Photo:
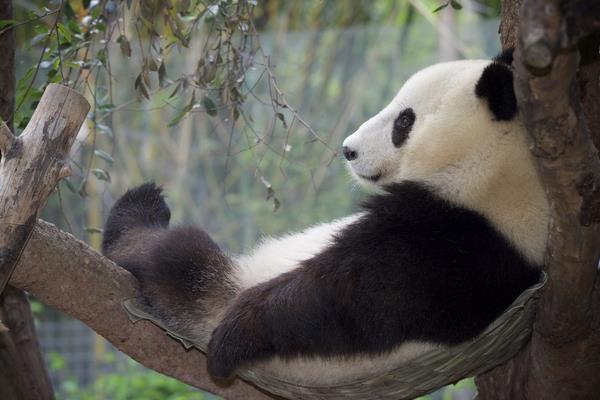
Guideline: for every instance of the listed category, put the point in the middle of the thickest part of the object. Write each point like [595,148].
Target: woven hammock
[502,339]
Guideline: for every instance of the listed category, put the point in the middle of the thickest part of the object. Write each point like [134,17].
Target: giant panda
[456,229]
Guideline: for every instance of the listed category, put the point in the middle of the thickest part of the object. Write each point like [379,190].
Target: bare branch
[67,274]
[43,147]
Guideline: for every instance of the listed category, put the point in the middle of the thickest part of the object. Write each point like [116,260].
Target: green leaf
[124,45]
[152,66]
[175,91]
[441,7]
[455,4]
[6,22]
[92,230]
[73,27]
[36,306]
[101,56]
[140,87]
[101,174]
[56,361]
[282,119]
[105,156]
[184,111]
[105,130]
[209,106]
[106,107]
[65,33]
[162,75]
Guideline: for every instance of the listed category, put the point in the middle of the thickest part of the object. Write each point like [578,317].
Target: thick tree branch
[563,358]
[67,274]
[31,166]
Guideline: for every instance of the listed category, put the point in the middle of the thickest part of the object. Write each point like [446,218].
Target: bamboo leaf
[441,7]
[105,156]
[124,45]
[101,174]
[92,230]
[184,111]
[7,22]
[209,106]
[162,75]
[282,118]
[455,4]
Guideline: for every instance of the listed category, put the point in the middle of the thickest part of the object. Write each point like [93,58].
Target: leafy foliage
[129,382]
[76,38]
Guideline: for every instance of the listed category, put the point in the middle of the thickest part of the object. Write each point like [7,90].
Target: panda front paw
[224,357]
[239,339]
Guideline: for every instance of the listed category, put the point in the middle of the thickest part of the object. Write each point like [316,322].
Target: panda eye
[402,126]
[403,121]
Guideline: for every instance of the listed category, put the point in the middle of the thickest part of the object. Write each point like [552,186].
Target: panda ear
[496,85]
[506,56]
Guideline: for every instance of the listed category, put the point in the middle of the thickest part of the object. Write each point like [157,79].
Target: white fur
[323,371]
[457,149]
[275,256]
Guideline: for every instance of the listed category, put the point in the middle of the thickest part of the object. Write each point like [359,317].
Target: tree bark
[23,373]
[68,275]
[557,91]
[31,166]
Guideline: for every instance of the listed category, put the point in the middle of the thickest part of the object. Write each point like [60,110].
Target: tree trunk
[556,82]
[23,373]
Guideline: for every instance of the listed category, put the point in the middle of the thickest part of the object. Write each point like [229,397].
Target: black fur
[175,267]
[143,206]
[506,56]
[415,267]
[183,259]
[402,126]
[496,86]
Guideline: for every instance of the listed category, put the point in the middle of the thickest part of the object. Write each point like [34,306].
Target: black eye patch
[402,126]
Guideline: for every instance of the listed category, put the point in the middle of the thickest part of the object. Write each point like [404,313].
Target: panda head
[455,128]
[443,117]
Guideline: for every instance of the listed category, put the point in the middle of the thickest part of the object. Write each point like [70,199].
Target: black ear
[506,57]
[496,85]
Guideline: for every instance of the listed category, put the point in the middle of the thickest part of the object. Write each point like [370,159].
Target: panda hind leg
[183,274]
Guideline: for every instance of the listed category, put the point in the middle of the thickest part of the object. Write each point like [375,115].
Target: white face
[450,126]
[447,138]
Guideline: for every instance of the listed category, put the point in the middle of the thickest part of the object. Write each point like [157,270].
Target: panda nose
[349,153]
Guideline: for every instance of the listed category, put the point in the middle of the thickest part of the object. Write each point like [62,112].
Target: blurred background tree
[237,107]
